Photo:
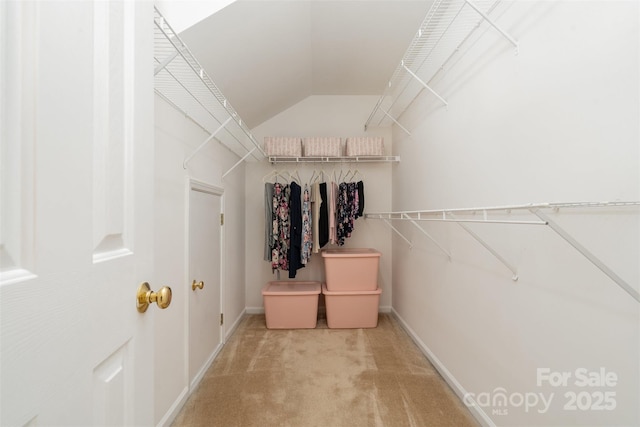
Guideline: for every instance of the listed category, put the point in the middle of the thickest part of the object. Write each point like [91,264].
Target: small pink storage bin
[291,305]
[364,146]
[349,269]
[351,309]
[284,146]
[322,146]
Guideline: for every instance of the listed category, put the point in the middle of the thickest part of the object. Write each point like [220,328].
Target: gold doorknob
[195,285]
[146,296]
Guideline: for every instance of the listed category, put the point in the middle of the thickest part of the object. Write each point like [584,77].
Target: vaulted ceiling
[268,55]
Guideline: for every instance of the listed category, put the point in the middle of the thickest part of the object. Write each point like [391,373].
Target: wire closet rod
[449,215]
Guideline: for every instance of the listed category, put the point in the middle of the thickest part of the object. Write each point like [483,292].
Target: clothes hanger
[318,176]
[286,177]
[276,173]
[273,172]
[348,177]
[282,175]
[356,173]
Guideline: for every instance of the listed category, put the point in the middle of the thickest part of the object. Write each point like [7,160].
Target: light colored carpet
[322,377]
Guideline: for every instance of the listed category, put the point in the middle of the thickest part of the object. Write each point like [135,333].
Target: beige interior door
[76,213]
[205,291]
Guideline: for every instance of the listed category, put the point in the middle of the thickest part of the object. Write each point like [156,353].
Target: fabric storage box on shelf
[349,269]
[291,305]
[322,146]
[351,309]
[283,146]
[364,146]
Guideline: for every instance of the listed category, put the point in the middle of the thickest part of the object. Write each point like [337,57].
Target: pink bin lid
[291,288]
[350,253]
[325,291]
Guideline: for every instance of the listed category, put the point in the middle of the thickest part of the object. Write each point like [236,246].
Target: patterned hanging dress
[280,235]
[307,236]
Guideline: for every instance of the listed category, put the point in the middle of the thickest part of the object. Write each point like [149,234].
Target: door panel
[77,147]
[109,386]
[205,337]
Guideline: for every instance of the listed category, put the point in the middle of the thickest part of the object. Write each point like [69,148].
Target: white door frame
[194,184]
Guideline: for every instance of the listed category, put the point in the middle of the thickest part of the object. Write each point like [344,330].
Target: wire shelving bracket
[423,231]
[450,215]
[587,254]
[493,252]
[447,26]
[183,83]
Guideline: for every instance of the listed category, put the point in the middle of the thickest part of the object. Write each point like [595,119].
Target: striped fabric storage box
[364,146]
[322,146]
[284,146]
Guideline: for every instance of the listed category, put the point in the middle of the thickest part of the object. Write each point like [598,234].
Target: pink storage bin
[322,146]
[351,309]
[291,305]
[284,146]
[349,269]
[364,146]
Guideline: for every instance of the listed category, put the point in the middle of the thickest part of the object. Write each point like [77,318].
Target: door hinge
[221,319]
[221,219]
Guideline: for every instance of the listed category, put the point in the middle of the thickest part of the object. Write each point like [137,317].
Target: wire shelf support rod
[587,254]
[201,146]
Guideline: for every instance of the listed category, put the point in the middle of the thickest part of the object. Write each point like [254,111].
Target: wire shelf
[448,24]
[461,217]
[181,81]
[350,159]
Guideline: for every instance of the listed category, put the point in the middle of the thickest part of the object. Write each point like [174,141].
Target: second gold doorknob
[195,285]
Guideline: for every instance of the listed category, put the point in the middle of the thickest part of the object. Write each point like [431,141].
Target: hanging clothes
[333,194]
[323,223]
[347,210]
[268,220]
[299,223]
[360,198]
[342,214]
[316,202]
[295,229]
[281,227]
[307,219]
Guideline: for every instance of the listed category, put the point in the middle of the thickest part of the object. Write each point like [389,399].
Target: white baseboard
[207,365]
[254,310]
[173,412]
[235,325]
[457,388]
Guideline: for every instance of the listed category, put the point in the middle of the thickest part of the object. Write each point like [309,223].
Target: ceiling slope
[268,55]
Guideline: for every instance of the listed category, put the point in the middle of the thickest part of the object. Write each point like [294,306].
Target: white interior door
[205,301]
[76,215]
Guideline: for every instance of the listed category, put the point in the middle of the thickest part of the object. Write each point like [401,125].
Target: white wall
[176,138]
[558,122]
[341,116]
